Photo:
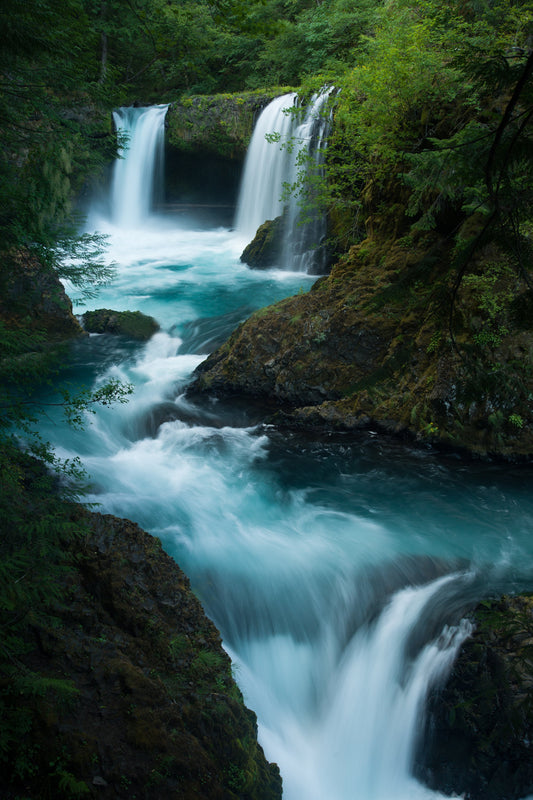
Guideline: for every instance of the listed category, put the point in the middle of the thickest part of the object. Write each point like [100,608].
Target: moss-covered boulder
[220,124]
[134,694]
[479,737]
[126,323]
[265,249]
[33,297]
[372,344]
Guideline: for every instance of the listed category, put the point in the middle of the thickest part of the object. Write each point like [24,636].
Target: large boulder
[479,737]
[370,344]
[126,323]
[266,247]
[135,695]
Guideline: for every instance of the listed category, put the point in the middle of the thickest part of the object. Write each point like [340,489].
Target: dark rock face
[128,323]
[479,737]
[303,351]
[156,713]
[366,346]
[34,296]
[265,249]
[220,124]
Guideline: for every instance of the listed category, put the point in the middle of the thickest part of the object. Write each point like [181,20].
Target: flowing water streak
[272,167]
[266,167]
[304,246]
[335,642]
[140,165]
[355,736]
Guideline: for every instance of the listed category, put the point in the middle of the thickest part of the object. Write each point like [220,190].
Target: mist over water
[338,569]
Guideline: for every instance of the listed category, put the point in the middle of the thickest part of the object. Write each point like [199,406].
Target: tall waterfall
[272,167]
[304,249]
[266,167]
[138,172]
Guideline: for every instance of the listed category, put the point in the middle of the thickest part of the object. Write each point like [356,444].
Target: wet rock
[154,711]
[127,323]
[366,343]
[264,251]
[479,735]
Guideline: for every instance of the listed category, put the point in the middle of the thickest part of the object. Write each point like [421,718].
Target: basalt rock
[479,736]
[32,296]
[370,344]
[265,249]
[153,710]
[221,124]
[127,323]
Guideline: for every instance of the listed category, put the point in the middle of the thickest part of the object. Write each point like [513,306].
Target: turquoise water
[339,569]
[321,560]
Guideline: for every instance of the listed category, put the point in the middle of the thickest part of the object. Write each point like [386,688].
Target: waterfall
[329,565]
[304,248]
[342,719]
[294,159]
[138,172]
[266,167]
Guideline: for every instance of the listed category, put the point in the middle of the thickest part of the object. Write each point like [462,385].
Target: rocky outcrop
[220,124]
[371,344]
[479,737]
[265,249]
[126,323]
[152,709]
[33,297]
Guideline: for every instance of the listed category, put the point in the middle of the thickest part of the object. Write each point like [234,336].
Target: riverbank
[369,345]
[119,685]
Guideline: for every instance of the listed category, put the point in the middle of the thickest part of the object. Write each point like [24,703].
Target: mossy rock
[126,323]
[370,342]
[265,249]
[220,124]
[149,707]
[479,730]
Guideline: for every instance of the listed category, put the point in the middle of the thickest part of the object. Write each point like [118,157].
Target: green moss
[127,323]
[220,124]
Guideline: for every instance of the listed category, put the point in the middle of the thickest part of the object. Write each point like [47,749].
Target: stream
[338,569]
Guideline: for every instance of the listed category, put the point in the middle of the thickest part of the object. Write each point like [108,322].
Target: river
[337,568]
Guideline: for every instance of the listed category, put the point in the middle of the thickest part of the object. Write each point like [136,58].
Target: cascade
[304,248]
[329,566]
[272,166]
[138,171]
[266,167]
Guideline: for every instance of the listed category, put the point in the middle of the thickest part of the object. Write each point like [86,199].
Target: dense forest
[428,188]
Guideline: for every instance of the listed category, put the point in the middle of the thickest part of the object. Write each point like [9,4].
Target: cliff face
[220,124]
[34,298]
[153,710]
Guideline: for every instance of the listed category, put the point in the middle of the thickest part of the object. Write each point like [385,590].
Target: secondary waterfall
[280,176]
[304,246]
[265,167]
[138,172]
[336,569]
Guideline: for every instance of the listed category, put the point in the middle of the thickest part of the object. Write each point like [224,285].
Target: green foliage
[516,420]
[207,662]
[70,787]
[493,291]
[49,144]
[35,527]
[393,92]
[319,38]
